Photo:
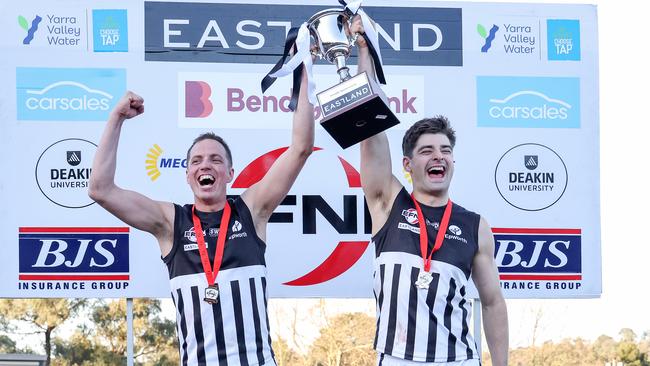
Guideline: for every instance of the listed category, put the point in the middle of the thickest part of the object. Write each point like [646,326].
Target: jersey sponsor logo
[73,253]
[411,215]
[538,254]
[236,33]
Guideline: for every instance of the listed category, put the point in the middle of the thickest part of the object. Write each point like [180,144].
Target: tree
[347,340]
[7,345]
[40,316]
[105,342]
[284,355]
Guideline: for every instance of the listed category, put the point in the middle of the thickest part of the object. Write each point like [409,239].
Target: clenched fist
[131,105]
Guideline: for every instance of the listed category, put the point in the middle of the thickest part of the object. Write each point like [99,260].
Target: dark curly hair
[437,124]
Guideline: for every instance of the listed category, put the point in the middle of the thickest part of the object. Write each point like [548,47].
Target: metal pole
[476,310]
[129,331]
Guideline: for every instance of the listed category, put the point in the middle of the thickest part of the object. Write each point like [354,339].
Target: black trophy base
[356,124]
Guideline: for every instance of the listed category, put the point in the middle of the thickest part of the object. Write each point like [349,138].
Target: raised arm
[495,313]
[377,180]
[131,207]
[263,197]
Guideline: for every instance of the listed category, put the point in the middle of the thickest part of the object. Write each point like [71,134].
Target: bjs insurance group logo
[528,102]
[62,94]
[235,33]
[527,254]
[73,254]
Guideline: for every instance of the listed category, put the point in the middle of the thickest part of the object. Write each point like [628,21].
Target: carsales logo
[234,100]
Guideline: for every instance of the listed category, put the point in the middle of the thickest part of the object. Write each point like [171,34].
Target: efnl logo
[30,29]
[563,37]
[53,94]
[520,102]
[73,254]
[110,30]
[539,254]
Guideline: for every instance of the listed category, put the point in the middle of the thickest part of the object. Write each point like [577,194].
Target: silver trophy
[356,108]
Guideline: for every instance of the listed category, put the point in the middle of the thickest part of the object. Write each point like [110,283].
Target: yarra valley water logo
[30,29]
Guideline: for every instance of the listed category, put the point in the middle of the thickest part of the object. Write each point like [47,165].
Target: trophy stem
[343,71]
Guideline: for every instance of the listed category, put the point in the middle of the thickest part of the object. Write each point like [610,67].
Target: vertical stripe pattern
[424,325]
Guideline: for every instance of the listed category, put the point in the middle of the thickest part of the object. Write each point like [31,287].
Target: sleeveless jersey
[427,325]
[235,331]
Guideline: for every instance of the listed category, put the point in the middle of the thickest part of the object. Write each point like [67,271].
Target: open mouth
[206,180]
[436,171]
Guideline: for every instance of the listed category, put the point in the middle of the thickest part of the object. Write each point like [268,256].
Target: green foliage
[481,30]
[578,352]
[105,343]
[7,345]
[23,23]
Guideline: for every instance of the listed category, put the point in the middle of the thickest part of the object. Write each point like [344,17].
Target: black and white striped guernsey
[235,331]
[416,324]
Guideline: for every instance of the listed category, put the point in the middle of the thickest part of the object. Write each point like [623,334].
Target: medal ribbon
[211,274]
[424,236]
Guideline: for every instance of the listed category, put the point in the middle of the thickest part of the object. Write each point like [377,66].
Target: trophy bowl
[330,33]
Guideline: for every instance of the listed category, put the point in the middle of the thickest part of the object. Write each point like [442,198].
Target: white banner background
[448,90]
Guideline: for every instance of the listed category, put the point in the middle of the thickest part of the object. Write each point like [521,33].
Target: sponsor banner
[63,170]
[235,101]
[531,177]
[51,27]
[528,102]
[507,39]
[66,94]
[525,120]
[73,260]
[534,261]
[563,38]
[232,33]
[110,30]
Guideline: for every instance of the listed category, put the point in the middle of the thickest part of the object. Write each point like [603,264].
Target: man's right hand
[131,105]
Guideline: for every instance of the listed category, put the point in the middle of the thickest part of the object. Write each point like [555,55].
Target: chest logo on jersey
[213,232]
[454,231]
[411,216]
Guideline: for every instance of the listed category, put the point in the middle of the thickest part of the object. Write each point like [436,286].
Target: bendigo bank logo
[235,33]
[74,254]
[553,255]
[205,98]
[197,99]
